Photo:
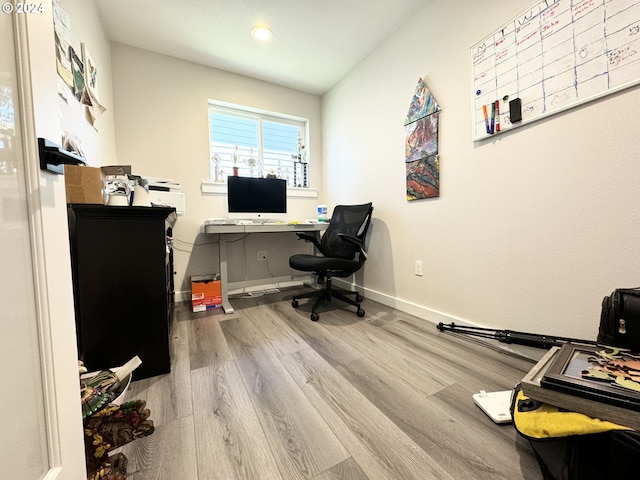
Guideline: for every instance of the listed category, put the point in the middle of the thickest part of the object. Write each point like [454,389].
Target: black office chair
[342,254]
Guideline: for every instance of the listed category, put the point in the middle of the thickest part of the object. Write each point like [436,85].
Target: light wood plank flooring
[267,394]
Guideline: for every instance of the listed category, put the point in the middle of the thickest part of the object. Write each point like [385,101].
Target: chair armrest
[354,240]
[310,238]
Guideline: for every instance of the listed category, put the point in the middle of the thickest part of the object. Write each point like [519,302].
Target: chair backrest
[350,219]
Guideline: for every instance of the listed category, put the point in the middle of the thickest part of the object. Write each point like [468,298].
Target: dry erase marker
[486,118]
[493,115]
[497,115]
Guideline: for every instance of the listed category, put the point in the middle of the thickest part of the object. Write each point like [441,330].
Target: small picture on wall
[62,36]
[422,138]
[423,178]
[422,104]
[89,97]
[90,71]
[78,74]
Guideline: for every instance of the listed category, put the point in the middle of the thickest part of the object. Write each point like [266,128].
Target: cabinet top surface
[108,211]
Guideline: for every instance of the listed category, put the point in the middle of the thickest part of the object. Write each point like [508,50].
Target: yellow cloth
[548,421]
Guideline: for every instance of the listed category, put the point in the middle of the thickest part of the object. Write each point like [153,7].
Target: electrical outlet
[262,255]
[418,269]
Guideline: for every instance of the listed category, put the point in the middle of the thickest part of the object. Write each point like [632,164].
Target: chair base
[326,295]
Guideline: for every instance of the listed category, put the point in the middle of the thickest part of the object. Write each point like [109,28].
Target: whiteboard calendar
[556,55]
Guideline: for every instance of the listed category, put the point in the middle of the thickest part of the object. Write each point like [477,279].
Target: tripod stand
[511,336]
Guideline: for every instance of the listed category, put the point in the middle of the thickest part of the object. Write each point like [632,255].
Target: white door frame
[51,270]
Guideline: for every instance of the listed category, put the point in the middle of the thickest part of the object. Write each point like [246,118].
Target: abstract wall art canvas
[421,145]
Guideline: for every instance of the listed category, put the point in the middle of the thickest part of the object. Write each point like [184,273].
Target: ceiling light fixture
[261,33]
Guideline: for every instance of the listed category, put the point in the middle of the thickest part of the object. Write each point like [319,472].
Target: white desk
[225,229]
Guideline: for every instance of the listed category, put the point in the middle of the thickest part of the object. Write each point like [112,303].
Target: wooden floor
[265,393]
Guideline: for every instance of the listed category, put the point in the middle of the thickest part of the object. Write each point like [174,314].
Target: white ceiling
[315,42]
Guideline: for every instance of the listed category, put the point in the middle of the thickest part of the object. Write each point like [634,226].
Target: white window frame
[210,186]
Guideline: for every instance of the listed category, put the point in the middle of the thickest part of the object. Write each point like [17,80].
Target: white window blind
[258,145]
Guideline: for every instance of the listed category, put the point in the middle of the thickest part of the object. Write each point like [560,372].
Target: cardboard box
[83,184]
[206,292]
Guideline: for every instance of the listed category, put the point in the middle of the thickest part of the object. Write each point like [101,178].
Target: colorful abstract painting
[421,145]
[422,178]
[422,138]
[422,103]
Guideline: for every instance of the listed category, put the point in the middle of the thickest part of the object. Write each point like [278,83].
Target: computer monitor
[256,198]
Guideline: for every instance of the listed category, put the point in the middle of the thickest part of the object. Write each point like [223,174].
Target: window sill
[221,189]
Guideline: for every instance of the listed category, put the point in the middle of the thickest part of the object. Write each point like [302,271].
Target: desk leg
[222,253]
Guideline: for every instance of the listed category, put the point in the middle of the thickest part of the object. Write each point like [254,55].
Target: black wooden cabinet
[122,267]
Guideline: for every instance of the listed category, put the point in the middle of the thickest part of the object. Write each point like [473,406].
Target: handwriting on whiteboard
[556,55]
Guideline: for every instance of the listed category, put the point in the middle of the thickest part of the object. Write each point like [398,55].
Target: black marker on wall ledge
[515,110]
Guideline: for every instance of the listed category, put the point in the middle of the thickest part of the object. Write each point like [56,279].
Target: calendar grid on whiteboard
[554,56]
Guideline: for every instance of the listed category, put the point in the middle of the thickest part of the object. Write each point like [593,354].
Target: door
[35,442]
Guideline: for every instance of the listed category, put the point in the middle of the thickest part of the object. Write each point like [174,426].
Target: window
[257,144]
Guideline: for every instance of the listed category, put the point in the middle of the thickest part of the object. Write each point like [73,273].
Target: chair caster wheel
[359,298]
[294,303]
[360,312]
[314,317]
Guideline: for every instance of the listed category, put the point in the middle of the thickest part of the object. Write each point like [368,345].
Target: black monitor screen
[256,195]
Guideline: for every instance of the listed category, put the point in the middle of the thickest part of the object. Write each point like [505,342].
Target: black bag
[620,319]
[602,456]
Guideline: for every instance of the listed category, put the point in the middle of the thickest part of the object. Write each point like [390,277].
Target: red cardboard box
[206,292]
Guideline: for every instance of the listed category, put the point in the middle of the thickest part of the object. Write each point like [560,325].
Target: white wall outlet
[418,269]
[262,255]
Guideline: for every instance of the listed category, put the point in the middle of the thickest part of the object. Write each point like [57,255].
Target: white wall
[52,117]
[162,130]
[46,117]
[98,140]
[532,227]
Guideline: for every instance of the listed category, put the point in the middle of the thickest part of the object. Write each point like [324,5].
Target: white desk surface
[263,227]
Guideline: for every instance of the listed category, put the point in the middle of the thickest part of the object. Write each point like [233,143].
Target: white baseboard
[435,317]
